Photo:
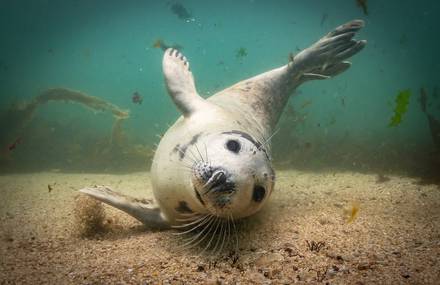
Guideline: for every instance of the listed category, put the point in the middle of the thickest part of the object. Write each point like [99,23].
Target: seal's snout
[212,180]
[217,179]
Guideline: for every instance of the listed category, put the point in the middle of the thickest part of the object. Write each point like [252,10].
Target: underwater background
[382,115]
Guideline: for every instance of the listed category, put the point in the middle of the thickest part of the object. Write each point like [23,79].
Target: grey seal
[214,163]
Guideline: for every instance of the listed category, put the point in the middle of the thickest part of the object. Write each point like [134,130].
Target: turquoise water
[105,49]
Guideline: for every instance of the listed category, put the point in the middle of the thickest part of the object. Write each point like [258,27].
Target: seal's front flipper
[143,211]
[180,82]
[326,57]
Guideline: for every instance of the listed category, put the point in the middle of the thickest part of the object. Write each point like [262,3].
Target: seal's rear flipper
[328,72]
[326,58]
[143,211]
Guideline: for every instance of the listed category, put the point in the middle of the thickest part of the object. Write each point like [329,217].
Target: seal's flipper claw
[143,211]
[328,72]
[352,26]
[180,82]
[330,50]
[352,50]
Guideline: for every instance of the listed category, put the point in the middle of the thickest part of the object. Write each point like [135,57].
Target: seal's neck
[260,99]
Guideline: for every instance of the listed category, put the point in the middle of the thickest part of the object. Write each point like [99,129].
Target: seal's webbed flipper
[180,82]
[326,58]
[143,211]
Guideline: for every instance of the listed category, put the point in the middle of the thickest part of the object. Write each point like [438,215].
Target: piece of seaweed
[17,117]
[402,102]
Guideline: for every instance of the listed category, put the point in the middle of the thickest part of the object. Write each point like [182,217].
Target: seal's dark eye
[233,146]
[259,193]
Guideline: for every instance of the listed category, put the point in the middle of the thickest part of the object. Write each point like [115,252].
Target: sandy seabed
[395,239]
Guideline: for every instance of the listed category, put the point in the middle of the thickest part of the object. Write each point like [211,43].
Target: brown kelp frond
[64,94]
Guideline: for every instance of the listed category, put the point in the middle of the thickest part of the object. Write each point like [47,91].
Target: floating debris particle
[50,187]
[137,98]
[241,52]
[13,145]
[382,178]
[363,5]
[181,12]
[163,46]
[352,212]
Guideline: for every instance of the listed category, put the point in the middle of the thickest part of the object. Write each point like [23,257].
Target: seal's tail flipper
[142,210]
[326,58]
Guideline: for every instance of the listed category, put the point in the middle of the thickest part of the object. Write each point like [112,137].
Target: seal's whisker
[189,214]
[192,242]
[192,154]
[187,164]
[189,217]
[271,136]
[197,148]
[226,234]
[189,241]
[183,154]
[188,161]
[206,153]
[198,223]
[183,168]
[204,223]
[219,236]
[218,220]
[235,233]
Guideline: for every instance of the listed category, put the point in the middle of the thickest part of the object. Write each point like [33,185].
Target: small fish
[137,98]
[49,188]
[13,145]
[363,5]
[352,212]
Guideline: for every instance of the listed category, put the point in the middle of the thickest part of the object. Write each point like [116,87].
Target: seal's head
[234,176]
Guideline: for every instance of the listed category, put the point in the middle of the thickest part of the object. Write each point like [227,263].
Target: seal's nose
[217,178]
